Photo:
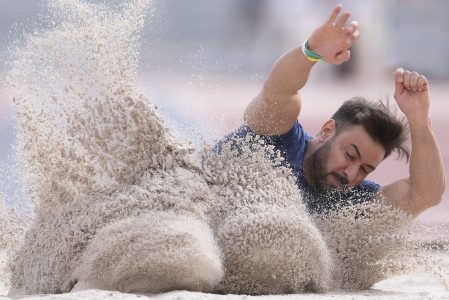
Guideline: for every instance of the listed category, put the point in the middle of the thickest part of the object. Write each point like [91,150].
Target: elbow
[436,200]
[437,197]
[441,189]
[443,185]
[429,198]
[422,204]
[438,194]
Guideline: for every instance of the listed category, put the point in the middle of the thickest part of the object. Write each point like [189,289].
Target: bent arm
[426,183]
[274,110]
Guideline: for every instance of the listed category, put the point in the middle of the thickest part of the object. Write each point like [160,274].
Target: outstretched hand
[333,39]
[412,94]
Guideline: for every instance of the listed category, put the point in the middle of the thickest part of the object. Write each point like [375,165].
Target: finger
[399,75]
[420,83]
[350,39]
[352,27]
[343,56]
[414,81]
[342,20]
[334,15]
[398,82]
[425,83]
[406,77]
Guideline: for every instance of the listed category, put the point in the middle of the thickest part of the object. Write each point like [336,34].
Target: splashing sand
[13,224]
[121,204]
[99,160]
[270,244]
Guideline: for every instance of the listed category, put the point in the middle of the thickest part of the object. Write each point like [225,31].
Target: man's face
[344,160]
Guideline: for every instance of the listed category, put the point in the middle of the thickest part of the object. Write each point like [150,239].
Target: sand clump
[269,242]
[120,203]
[370,242]
[367,242]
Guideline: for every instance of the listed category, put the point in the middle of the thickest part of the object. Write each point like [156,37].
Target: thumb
[398,82]
[342,57]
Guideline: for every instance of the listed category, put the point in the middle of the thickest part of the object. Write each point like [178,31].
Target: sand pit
[122,204]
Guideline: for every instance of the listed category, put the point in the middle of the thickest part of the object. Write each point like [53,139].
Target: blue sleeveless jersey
[292,146]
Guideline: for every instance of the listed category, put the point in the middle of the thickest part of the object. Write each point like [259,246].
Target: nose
[351,172]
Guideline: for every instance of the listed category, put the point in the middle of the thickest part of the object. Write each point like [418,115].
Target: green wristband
[310,54]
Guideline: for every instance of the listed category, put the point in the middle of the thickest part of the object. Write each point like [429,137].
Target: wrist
[418,117]
[311,55]
[312,44]
[418,122]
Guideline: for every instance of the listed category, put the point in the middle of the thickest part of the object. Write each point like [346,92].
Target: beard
[318,171]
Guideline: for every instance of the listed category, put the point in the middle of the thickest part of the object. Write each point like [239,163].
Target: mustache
[341,178]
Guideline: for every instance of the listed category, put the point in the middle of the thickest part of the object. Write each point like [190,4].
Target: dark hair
[381,124]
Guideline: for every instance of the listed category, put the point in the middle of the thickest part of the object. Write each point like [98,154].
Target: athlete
[331,167]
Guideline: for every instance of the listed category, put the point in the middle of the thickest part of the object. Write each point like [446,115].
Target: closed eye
[365,171]
[350,157]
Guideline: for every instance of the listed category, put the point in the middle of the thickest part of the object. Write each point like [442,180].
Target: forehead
[356,138]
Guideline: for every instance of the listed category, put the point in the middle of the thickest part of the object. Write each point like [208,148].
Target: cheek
[336,160]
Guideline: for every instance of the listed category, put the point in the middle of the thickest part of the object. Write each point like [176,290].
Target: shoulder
[291,144]
[295,133]
[369,186]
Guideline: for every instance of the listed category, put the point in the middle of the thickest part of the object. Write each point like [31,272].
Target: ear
[327,131]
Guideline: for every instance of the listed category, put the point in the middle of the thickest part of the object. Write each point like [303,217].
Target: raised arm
[426,183]
[274,110]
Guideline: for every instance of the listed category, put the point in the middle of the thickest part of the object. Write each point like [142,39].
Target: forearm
[275,109]
[426,165]
[277,106]
[288,75]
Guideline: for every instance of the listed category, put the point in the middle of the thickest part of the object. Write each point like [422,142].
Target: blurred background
[202,61]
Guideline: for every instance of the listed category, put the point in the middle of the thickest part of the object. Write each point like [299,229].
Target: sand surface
[412,286]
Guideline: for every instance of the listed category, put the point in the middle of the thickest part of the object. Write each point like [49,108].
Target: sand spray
[109,181]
